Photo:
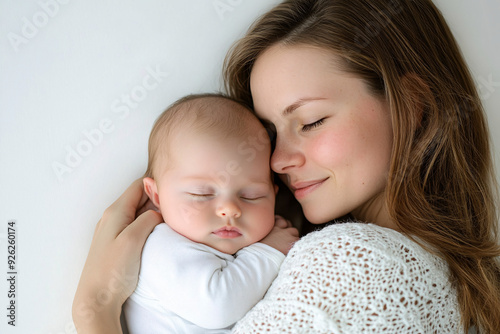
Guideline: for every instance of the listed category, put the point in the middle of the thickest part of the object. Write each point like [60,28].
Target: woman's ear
[151,190]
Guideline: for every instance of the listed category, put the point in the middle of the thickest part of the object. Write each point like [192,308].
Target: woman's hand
[111,271]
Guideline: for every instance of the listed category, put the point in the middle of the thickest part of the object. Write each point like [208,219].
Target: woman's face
[334,138]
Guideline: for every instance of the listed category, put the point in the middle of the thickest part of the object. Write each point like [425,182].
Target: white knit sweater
[357,278]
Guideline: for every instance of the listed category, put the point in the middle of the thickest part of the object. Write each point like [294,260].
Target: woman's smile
[302,189]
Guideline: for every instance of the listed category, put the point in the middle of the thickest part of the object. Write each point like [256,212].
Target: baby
[212,261]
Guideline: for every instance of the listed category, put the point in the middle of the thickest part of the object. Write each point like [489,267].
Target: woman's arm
[111,271]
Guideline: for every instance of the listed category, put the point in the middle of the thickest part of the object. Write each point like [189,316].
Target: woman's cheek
[331,149]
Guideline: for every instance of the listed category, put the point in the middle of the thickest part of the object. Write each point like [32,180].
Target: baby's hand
[282,236]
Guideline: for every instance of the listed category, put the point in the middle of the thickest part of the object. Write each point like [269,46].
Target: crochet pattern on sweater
[357,278]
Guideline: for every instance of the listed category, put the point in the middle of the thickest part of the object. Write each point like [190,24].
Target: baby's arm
[236,288]
[208,290]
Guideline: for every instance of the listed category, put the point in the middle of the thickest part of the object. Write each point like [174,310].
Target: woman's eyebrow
[297,104]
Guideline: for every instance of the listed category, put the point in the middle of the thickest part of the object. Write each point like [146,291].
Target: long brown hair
[441,187]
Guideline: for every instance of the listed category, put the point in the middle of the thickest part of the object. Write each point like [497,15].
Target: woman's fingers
[122,212]
[138,231]
[132,199]
[147,206]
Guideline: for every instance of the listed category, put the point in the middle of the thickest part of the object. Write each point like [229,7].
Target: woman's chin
[317,218]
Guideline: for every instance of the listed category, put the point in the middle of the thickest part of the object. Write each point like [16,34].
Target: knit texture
[357,278]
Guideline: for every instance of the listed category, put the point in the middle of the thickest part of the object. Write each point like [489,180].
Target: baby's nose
[229,209]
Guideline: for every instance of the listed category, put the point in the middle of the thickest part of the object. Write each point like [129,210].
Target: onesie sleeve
[349,280]
[206,287]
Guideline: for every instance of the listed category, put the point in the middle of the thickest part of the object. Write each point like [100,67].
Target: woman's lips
[227,232]
[302,189]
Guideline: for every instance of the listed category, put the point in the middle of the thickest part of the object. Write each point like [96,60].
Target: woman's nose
[286,155]
[228,209]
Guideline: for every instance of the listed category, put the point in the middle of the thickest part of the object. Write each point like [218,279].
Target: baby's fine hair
[215,114]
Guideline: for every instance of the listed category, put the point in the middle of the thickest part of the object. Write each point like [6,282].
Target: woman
[376,116]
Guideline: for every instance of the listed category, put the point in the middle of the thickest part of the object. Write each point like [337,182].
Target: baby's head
[208,172]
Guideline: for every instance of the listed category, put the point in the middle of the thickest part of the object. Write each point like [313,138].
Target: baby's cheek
[191,213]
[265,218]
[179,213]
[270,219]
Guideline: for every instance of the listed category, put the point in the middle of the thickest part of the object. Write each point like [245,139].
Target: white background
[66,69]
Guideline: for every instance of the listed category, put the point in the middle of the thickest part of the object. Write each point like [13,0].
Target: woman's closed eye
[313,125]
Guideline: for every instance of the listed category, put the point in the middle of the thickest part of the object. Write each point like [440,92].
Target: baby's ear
[151,190]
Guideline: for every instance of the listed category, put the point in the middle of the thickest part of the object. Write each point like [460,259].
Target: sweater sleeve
[206,287]
[357,279]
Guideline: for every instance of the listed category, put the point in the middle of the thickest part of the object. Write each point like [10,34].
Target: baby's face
[219,192]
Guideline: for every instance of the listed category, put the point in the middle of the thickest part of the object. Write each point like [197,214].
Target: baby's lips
[227,232]
[227,228]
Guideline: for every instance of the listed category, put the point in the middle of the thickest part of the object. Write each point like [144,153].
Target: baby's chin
[229,249]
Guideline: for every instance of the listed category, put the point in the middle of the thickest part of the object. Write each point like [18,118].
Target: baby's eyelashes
[207,196]
[201,196]
[251,198]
